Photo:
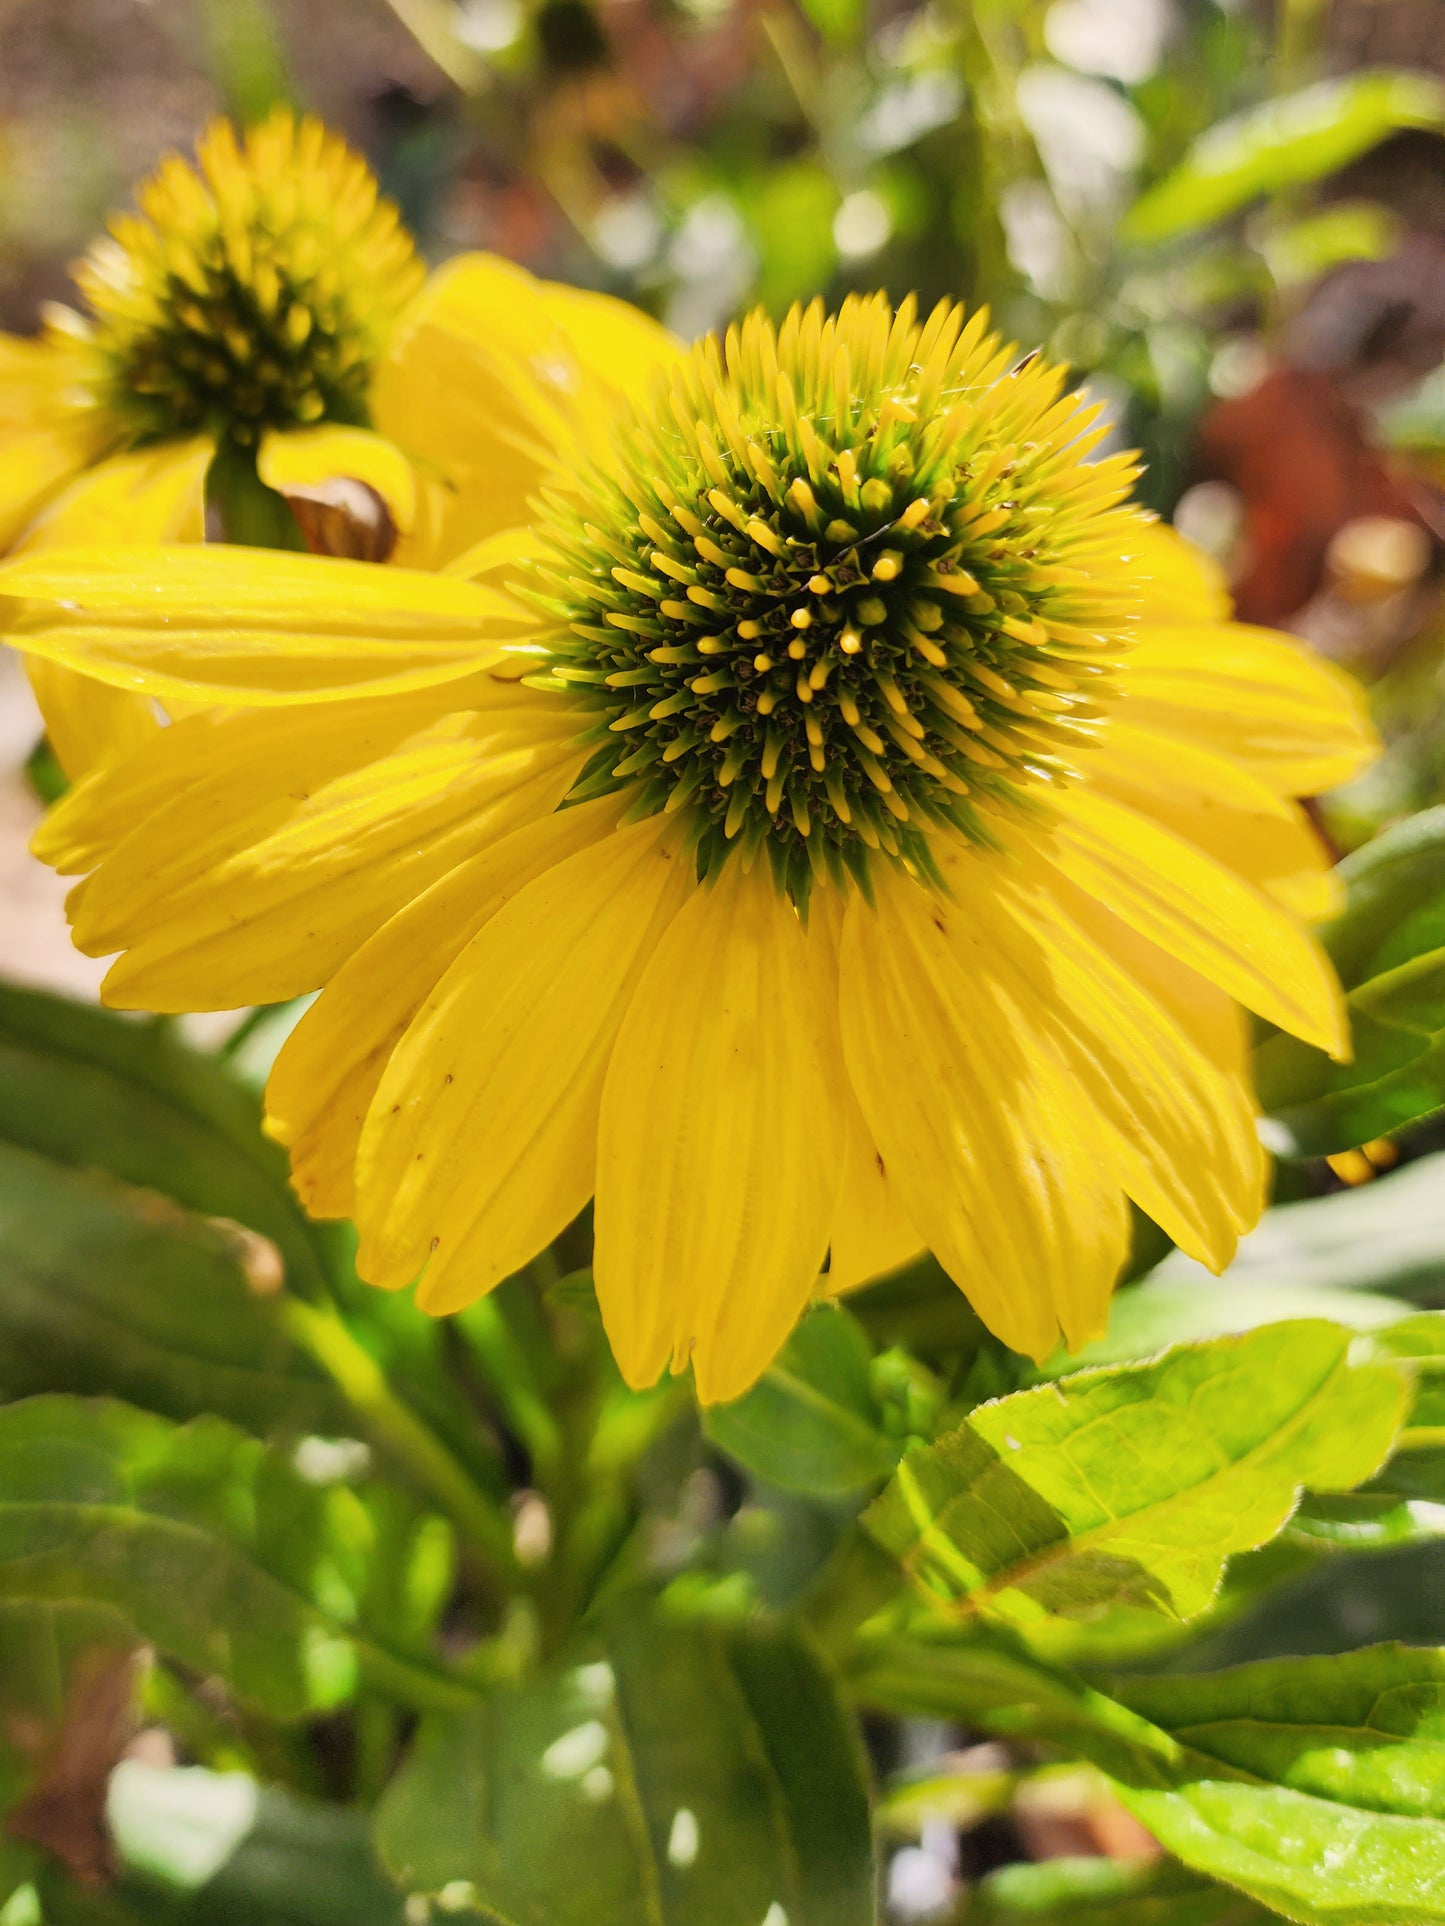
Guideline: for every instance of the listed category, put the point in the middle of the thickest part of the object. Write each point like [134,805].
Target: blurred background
[1227,216]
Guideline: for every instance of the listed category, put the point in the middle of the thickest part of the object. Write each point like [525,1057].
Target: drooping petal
[871,1233]
[1216,1026]
[45,440]
[36,462]
[88,723]
[1255,696]
[149,495]
[480,1144]
[1199,911]
[620,350]
[1183,1145]
[242,772]
[1223,808]
[1180,583]
[718,1151]
[326,1075]
[475,390]
[249,625]
[995,1154]
[278,912]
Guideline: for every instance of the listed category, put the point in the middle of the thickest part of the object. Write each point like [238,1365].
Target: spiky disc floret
[846,580]
[252,291]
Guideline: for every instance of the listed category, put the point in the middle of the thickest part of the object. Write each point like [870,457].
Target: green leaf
[227,1852]
[1395,1077]
[1420,1340]
[1388,945]
[109,1288]
[1134,1484]
[1108,1892]
[100,1091]
[1286,143]
[216,1550]
[1371,1520]
[812,1422]
[1315,1784]
[679,1775]
[1395,900]
[1301,251]
[66,1678]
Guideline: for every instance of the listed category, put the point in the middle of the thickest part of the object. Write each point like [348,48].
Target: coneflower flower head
[849,581]
[254,290]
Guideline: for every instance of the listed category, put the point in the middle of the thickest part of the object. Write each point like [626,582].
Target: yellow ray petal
[35,463]
[1258,697]
[1200,912]
[150,495]
[998,1160]
[620,351]
[302,460]
[1180,582]
[44,437]
[480,1144]
[249,625]
[1215,1025]
[89,723]
[613,340]
[323,1082]
[475,388]
[265,913]
[718,1152]
[871,1232]
[235,764]
[1185,1147]
[1223,808]
[147,495]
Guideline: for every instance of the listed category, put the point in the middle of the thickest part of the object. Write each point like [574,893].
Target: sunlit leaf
[1314,1785]
[1108,1892]
[1317,1785]
[1133,1484]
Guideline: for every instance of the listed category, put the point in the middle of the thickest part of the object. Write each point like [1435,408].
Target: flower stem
[484,1526]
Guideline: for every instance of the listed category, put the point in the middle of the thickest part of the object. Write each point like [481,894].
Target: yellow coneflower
[837,824]
[249,305]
